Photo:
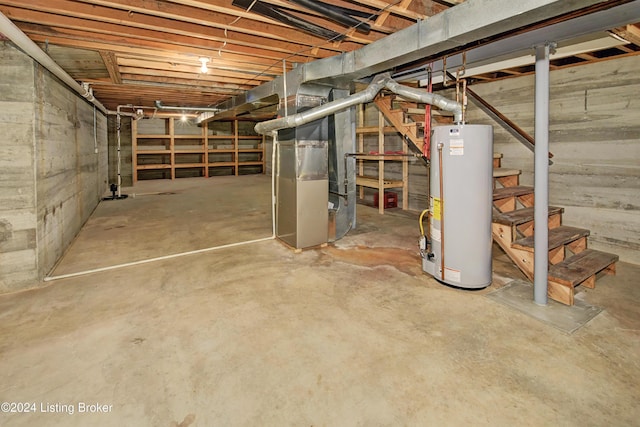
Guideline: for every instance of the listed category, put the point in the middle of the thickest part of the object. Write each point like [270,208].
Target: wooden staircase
[400,119]
[571,263]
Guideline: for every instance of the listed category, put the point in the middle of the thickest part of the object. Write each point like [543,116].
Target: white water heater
[457,247]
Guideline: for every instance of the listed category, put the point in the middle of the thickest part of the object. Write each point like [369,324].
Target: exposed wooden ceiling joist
[147,50]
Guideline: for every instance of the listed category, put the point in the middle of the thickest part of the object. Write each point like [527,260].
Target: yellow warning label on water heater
[436,211]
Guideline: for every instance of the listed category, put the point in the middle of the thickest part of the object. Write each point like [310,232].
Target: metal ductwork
[161,107]
[420,95]
[456,29]
[379,82]
[324,110]
[319,135]
[13,33]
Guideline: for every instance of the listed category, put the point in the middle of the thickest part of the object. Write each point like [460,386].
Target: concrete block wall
[55,153]
[595,139]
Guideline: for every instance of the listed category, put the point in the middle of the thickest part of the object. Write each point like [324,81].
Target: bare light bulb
[203,67]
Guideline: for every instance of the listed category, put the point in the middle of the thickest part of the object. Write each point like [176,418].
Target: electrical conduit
[442,267]
[10,30]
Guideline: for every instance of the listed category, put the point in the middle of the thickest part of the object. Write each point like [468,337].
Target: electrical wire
[344,34]
[226,35]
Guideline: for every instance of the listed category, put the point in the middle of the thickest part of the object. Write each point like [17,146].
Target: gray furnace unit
[302,212]
[457,248]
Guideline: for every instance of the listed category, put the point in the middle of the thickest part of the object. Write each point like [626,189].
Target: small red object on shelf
[390,200]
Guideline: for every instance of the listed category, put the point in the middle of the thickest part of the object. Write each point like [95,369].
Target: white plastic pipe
[118,148]
[11,31]
[198,251]
[273,182]
[146,261]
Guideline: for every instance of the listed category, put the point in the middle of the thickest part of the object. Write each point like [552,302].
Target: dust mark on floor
[404,260]
[188,420]
[112,228]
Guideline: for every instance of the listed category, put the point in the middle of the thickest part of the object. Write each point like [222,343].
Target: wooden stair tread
[521,216]
[502,172]
[515,191]
[396,118]
[579,267]
[557,237]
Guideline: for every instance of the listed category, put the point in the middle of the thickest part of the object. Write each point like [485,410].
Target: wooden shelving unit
[380,182]
[164,148]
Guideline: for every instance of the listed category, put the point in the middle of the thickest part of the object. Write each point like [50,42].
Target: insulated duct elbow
[420,95]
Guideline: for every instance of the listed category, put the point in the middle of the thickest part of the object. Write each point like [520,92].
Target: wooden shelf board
[374,183]
[146,167]
[196,144]
[153,151]
[188,165]
[181,151]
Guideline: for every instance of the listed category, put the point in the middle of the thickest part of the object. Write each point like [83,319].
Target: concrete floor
[350,335]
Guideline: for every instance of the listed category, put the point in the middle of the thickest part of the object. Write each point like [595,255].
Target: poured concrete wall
[18,250]
[595,139]
[54,168]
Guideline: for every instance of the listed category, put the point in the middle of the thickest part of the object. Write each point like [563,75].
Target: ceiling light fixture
[203,67]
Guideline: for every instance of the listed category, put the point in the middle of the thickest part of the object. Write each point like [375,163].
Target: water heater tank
[460,204]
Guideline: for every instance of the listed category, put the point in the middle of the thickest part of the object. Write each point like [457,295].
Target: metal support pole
[541,176]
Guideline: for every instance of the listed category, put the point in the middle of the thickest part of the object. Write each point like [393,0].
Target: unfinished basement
[295,212]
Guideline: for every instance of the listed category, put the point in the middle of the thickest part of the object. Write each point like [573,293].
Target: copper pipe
[440,146]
